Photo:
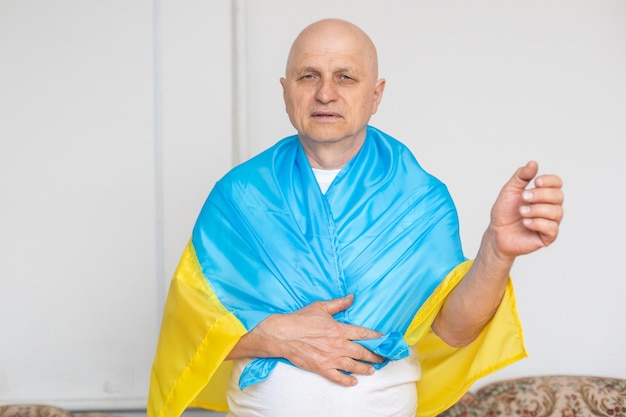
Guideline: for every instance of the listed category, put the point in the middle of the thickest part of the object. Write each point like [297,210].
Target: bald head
[337,35]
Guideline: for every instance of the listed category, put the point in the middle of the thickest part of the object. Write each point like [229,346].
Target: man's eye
[307,77]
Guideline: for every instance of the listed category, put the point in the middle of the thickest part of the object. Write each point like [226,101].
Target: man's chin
[324,135]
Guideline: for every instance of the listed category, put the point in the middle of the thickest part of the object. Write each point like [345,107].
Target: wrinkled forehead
[333,45]
[325,60]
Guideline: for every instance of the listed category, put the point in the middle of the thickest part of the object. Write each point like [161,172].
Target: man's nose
[327,91]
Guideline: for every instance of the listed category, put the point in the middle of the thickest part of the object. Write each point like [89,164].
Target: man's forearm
[472,304]
[251,345]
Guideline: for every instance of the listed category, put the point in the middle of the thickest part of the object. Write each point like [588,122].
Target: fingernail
[527,195]
[524,209]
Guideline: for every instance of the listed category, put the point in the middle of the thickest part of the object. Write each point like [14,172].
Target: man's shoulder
[395,145]
[259,172]
[263,161]
[411,175]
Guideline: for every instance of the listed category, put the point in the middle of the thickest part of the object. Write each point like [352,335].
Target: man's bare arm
[522,221]
[313,340]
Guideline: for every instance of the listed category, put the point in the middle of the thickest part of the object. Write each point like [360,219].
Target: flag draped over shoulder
[268,241]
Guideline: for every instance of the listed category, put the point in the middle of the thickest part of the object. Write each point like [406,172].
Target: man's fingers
[524,175]
[337,305]
[548,181]
[544,211]
[547,230]
[543,202]
[339,377]
[352,332]
[355,367]
[543,196]
[344,368]
[357,351]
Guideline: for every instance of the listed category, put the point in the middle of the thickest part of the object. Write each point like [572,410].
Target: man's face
[330,89]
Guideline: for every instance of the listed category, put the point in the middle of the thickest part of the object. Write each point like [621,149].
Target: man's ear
[283,82]
[378,93]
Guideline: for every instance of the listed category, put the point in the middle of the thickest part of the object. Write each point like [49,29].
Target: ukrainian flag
[267,241]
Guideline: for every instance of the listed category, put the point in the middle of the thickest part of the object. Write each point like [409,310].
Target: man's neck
[331,155]
[327,162]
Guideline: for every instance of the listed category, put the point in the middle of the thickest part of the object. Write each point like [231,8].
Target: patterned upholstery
[42,410]
[541,396]
[545,396]
[32,410]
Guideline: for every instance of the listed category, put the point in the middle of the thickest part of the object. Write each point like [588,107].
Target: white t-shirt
[292,392]
[325,177]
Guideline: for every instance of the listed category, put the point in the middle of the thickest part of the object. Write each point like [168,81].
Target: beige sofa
[545,396]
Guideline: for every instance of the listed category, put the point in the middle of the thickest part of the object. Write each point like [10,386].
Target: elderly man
[325,276]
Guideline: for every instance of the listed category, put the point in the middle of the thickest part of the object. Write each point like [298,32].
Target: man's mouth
[325,115]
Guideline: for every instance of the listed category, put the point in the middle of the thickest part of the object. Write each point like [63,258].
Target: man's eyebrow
[349,70]
[307,69]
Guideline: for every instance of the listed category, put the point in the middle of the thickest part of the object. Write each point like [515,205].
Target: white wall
[77,259]
[117,117]
[115,121]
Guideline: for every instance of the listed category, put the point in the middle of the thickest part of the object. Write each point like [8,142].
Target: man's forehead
[338,44]
[348,61]
[333,45]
